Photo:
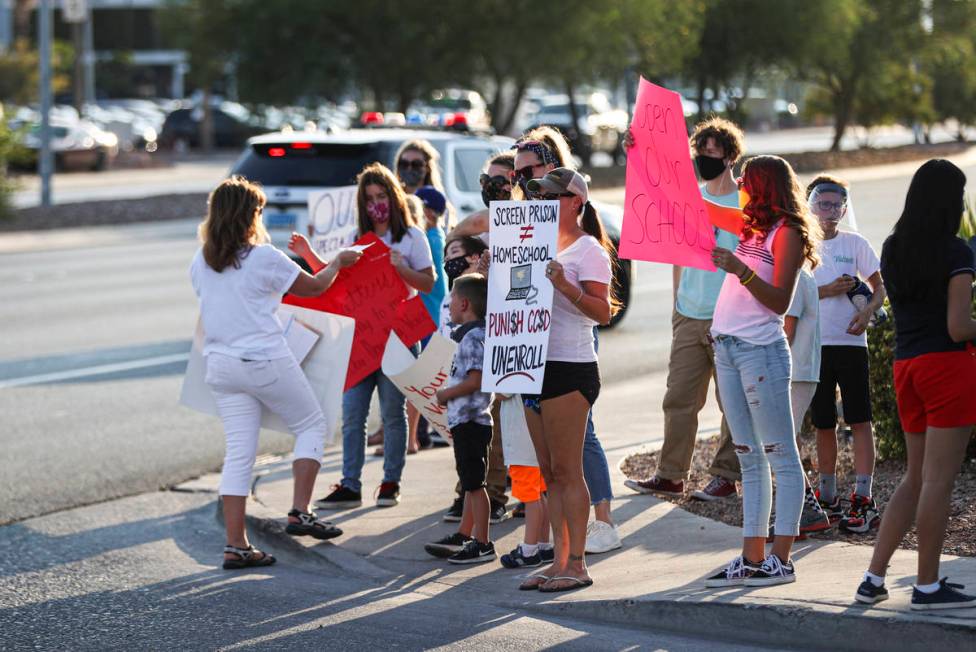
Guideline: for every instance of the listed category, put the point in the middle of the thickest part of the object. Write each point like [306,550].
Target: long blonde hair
[774,195]
[233,224]
[431,157]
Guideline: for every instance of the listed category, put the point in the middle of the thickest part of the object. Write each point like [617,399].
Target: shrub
[888,435]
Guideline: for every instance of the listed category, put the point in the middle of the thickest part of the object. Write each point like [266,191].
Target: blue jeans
[596,472]
[355,411]
[754,383]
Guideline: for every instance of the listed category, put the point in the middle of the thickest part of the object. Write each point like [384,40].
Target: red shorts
[527,483]
[936,390]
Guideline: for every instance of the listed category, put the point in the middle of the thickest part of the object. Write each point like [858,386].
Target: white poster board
[324,365]
[523,240]
[516,441]
[332,220]
[419,379]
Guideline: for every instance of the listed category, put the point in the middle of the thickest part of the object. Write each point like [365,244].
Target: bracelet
[579,298]
[748,279]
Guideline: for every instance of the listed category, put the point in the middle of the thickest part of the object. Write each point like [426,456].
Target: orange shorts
[527,483]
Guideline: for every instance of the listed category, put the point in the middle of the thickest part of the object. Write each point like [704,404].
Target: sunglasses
[497,180]
[528,172]
[830,206]
[416,164]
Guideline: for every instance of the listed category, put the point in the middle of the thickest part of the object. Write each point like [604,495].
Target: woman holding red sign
[753,367]
[382,209]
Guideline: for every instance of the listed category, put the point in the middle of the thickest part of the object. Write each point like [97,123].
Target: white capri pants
[240,388]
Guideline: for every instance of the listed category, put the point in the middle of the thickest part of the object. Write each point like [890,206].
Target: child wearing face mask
[461,256]
[847,256]
[381,209]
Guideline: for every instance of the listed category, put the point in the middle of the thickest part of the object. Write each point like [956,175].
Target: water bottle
[859,295]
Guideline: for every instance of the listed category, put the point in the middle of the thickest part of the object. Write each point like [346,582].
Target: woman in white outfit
[240,280]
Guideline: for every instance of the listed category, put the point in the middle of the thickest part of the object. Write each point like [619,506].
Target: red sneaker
[657,485]
[717,489]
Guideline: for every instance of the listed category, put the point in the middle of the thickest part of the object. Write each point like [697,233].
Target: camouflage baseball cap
[561,180]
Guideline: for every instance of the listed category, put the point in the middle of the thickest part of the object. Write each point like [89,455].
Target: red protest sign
[665,218]
[372,293]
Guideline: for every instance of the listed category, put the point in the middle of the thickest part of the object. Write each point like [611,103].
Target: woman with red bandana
[382,209]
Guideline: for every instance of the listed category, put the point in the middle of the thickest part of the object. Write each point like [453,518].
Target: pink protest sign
[665,218]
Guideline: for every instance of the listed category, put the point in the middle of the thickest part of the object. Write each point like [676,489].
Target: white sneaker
[601,537]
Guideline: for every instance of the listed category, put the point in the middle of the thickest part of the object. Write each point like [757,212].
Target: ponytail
[591,223]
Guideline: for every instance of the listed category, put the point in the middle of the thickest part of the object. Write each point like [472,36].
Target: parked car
[77,144]
[454,108]
[291,165]
[600,127]
[233,125]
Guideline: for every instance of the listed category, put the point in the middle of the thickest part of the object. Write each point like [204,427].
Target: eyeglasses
[830,206]
[416,164]
[497,180]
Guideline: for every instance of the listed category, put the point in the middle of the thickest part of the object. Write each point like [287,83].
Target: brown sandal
[247,558]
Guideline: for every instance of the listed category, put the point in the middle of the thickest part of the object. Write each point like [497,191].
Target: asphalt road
[138,574]
[96,326]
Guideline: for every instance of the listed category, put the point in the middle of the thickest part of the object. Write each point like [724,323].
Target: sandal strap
[243,553]
[306,518]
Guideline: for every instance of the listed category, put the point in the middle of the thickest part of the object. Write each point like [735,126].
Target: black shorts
[472,442]
[563,378]
[846,366]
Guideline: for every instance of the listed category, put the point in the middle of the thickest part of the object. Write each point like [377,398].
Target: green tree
[20,72]
[950,61]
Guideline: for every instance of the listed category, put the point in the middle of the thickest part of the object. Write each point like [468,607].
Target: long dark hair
[932,215]
[233,224]
[774,195]
[591,223]
[400,218]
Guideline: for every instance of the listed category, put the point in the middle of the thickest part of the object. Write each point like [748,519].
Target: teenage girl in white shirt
[239,280]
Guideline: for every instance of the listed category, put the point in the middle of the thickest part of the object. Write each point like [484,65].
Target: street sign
[74,11]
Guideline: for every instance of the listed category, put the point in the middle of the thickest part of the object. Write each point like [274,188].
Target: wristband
[748,279]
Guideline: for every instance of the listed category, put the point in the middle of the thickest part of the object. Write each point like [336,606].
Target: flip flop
[577,584]
[525,586]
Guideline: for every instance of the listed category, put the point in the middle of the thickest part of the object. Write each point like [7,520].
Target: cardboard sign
[419,379]
[371,292]
[665,218]
[332,220]
[523,240]
[323,365]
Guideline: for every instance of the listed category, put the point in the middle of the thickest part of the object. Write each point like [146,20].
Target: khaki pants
[497,471]
[691,367]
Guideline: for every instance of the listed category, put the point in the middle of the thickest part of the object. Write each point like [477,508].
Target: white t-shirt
[571,333]
[414,248]
[444,325]
[805,348]
[238,305]
[846,253]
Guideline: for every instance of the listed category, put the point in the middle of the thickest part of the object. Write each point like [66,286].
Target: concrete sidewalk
[654,581]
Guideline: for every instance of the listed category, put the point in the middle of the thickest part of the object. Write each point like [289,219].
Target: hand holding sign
[332,220]
[665,218]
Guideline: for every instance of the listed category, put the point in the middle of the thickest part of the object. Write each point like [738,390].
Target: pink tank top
[737,312]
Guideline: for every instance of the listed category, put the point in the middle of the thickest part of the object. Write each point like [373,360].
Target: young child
[847,257]
[469,417]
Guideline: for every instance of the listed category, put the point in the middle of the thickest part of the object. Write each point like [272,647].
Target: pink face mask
[378,211]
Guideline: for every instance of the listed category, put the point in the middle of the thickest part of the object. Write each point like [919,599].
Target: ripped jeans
[754,383]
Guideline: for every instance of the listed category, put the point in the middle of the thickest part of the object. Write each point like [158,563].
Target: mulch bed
[960,539]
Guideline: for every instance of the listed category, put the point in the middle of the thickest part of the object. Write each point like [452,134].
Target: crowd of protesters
[780,326]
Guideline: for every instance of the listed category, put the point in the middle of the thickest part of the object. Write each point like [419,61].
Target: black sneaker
[518,511]
[868,593]
[449,545]
[340,498]
[498,513]
[436,441]
[516,559]
[474,552]
[547,554]
[863,515]
[735,574]
[454,514]
[388,494]
[949,596]
[772,572]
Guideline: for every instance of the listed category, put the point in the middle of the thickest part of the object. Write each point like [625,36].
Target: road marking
[97,370]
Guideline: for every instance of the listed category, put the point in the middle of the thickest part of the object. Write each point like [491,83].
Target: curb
[835,628]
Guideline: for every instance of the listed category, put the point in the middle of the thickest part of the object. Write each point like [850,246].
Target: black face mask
[455,267]
[493,192]
[411,177]
[709,167]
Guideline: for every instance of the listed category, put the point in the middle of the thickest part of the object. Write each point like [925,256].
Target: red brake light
[301,145]
[371,118]
[276,151]
[460,119]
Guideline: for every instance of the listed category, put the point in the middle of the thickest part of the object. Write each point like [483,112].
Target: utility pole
[45,163]
[6,25]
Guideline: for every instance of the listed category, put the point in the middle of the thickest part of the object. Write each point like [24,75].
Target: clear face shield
[831,204]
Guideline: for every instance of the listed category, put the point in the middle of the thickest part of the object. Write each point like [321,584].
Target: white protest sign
[516,441]
[332,219]
[419,379]
[523,240]
[324,366]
